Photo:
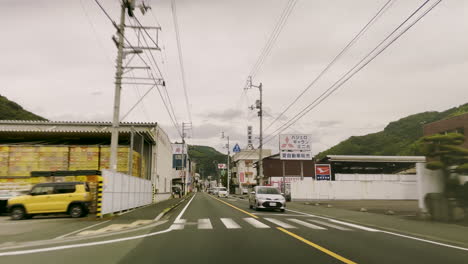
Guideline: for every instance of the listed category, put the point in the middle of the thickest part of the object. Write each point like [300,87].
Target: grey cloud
[224,115]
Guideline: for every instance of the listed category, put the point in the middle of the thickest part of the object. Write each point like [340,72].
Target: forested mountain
[397,138]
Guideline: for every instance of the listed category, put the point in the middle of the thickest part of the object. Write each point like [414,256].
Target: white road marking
[229,223]
[280,223]
[255,223]
[355,226]
[178,224]
[309,225]
[185,208]
[339,222]
[82,229]
[329,225]
[204,223]
[30,251]
[280,214]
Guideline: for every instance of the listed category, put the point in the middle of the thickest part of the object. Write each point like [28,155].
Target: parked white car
[222,192]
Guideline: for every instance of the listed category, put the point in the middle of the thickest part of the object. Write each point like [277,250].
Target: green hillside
[204,156]
[397,138]
[10,110]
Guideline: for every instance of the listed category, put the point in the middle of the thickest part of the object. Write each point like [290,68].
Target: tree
[446,154]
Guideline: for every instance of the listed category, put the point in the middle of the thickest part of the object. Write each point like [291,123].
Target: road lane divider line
[204,223]
[255,223]
[229,223]
[185,208]
[309,225]
[82,229]
[235,207]
[279,223]
[324,250]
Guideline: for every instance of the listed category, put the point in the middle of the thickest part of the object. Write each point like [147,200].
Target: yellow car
[73,198]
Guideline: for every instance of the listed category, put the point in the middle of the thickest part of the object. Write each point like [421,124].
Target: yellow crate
[4,148]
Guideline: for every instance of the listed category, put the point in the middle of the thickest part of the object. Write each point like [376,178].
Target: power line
[181,60]
[346,77]
[273,36]
[381,11]
[144,62]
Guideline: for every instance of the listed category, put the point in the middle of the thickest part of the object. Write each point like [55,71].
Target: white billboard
[178,148]
[295,142]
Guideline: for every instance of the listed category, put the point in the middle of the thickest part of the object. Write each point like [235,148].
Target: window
[42,190]
[268,191]
[66,188]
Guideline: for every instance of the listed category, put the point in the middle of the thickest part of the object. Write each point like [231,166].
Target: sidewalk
[441,232]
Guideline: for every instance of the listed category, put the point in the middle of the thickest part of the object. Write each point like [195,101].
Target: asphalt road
[210,230]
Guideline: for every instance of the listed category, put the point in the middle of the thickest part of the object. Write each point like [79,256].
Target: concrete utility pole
[259,106]
[228,162]
[118,88]
[185,126]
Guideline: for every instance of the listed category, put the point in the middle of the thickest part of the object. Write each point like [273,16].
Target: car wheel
[282,210]
[76,211]
[18,213]
[255,206]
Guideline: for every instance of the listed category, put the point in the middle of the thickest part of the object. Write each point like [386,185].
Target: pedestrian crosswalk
[263,223]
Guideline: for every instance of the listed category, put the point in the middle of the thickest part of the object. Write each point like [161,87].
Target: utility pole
[259,106]
[118,88]
[228,162]
[121,54]
[185,126]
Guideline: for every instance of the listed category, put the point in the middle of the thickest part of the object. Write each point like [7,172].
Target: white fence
[357,187]
[121,192]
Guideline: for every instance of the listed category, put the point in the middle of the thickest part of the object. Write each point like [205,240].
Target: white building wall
[429,181]
[163,173]
[357,187]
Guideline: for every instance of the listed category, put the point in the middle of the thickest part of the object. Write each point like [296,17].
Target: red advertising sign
[322,172]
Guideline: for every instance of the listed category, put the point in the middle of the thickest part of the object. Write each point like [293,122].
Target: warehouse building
[38,151]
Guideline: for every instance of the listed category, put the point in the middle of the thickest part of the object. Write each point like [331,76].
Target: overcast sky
[58,62]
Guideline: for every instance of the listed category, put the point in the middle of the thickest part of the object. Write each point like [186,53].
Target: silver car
[266,197]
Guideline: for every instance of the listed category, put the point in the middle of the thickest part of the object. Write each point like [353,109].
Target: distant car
[49,198]
[245,191]
[266,197]
[222,192]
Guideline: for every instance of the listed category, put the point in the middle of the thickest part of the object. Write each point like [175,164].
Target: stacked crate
[84,158]
[22,160]
[53,158]
[122,160]
[4,154]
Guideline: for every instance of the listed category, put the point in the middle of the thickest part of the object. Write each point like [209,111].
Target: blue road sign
[236,148]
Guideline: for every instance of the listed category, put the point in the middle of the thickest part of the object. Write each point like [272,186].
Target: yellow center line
[235,207]
[324,250]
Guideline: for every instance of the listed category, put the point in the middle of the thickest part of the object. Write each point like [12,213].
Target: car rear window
[65,188]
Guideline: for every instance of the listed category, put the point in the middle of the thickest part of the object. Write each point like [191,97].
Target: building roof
[34,131]
[370,158]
